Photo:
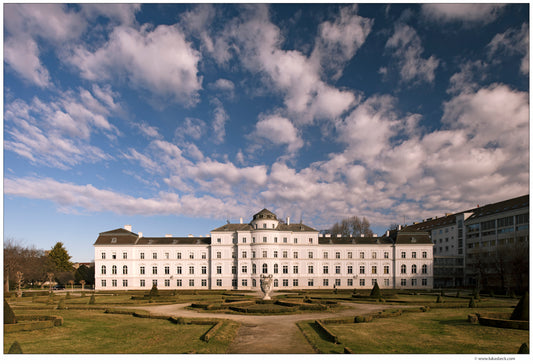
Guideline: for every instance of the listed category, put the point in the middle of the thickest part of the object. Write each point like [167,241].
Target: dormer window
[113,240]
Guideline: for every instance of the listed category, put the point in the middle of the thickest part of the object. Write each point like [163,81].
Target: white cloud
[157,60]
[22,55]
[224,87]
[219,121]
[511,42]
[407,48]
[338,41]
[147,130]
[191,128]
[280,131]
[122,13]
[466,13]
[466,79]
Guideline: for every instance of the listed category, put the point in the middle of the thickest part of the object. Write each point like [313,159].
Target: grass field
[93,332]
[438,331]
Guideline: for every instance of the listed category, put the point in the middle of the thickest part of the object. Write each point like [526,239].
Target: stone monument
[266,285]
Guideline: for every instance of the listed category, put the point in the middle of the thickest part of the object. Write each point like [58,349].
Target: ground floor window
[285,283]
[179,283]
[414,282]
[154,282]
[310,283]
[424,282]
[350,282]
[362,282]
[191,282]
[234,282]
[337,282]
[325,282]
[244,283]
[254,283]
[295,283]
[114,282]
[124,283]
[103,283]
[219,282]
[167,282]
[374,281]
[142,283]
[403,282]
[204,283]
[276,283]
[386,282]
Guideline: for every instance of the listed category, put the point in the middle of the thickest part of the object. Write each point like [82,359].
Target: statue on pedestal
[266,285]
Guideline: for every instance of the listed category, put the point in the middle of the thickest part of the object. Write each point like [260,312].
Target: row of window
[265,240]
[285,254]
[264,269]
[276,283]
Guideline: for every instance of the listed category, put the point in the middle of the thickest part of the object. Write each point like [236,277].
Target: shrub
[521,311]
[472,303]
[154,292]
[376,292]
[524,349]
[440,299]
[359,319]
[92,299]
[15,348]
[9,315]
[61,305]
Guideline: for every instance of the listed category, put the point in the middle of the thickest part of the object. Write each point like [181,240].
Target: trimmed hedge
[329,335]
[503,323]
[212,331]
[33,322]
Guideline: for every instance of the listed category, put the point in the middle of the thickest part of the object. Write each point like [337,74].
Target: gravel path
[273,334]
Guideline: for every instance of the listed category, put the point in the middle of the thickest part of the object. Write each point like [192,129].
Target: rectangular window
[295,269]
[253,239]
[310,240]
[403,282]
[374,269]
[325,269]
[178,269]
[386,282]
[167,282]
[362,255]
[285,254]
[374,255]
[310,269]
[414,282]
[325,255]
[295,240]
[142,283]
[233,269]
[103,255]
[349,255]
[219,240]
[167,255]
[337,255]
[295,255]
[424,254]
[275,253]
[424,282]
[253,254]
[310,255]
[179,283]
[191,255]
[386,255]
[310,283]
[113,255]
[413,255]
[244,269]
[362,282]
[141,269]
[244,241]
[167,269]
[350,269]
[204,269]
[124,255]
[275,239]
[219,282]
[350,282]
[285,269]
[154,282]
[154,270]
[191,270]
[264,253]
[204,255]
[361,269]
[285,283]
[244,254]
[178,255]
[295,282]
[219,255]
[142,255]
[325,282]
[204,282]
[103,283]
[386,269]
[403,255]
[264,239]
[114,282]
[337,269]
[337,282]
[191,282]
[244,283]
[284,240]
[154,255]
[374,281]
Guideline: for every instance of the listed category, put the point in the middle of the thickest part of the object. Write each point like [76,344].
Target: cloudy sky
[176,118]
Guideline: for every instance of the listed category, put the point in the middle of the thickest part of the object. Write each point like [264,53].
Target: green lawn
[438,331]
[94,332]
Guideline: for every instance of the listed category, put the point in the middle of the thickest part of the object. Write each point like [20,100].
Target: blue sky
[176,118]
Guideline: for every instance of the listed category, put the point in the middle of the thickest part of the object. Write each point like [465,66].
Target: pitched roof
[433,223]
[174,241]
[507,205]
[294,227]
[411,237]
[248,227]
[265,214]
[234,227]
[120,231]
[354,240]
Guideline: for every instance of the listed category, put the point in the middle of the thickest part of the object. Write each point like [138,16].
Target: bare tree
[352,226]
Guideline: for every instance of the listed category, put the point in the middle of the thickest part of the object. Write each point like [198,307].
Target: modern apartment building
[236,254]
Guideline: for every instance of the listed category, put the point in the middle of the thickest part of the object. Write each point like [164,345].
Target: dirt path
[273,334]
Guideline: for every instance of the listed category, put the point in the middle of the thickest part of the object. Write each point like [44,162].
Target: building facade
[483,247]
[235,255]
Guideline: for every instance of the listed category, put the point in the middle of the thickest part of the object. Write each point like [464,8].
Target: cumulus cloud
[407,49]
[279,131]
[158,60]
[22,55]
[219,121]
[465,13]
[511,42]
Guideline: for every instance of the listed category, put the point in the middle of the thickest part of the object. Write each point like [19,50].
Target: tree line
[32,267]
[352,226]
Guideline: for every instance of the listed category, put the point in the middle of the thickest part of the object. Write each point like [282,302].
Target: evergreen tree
[521,311]
[60,259]
[376,292]
[9,315]
[15,348]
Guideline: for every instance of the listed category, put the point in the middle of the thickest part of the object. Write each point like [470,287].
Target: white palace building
[235,255]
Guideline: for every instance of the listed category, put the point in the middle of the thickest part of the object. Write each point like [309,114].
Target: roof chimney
[240,220]
[388,232]
[288,220]
[190,236]
[140,234]
[399,227]
[168,235]
[127,227]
